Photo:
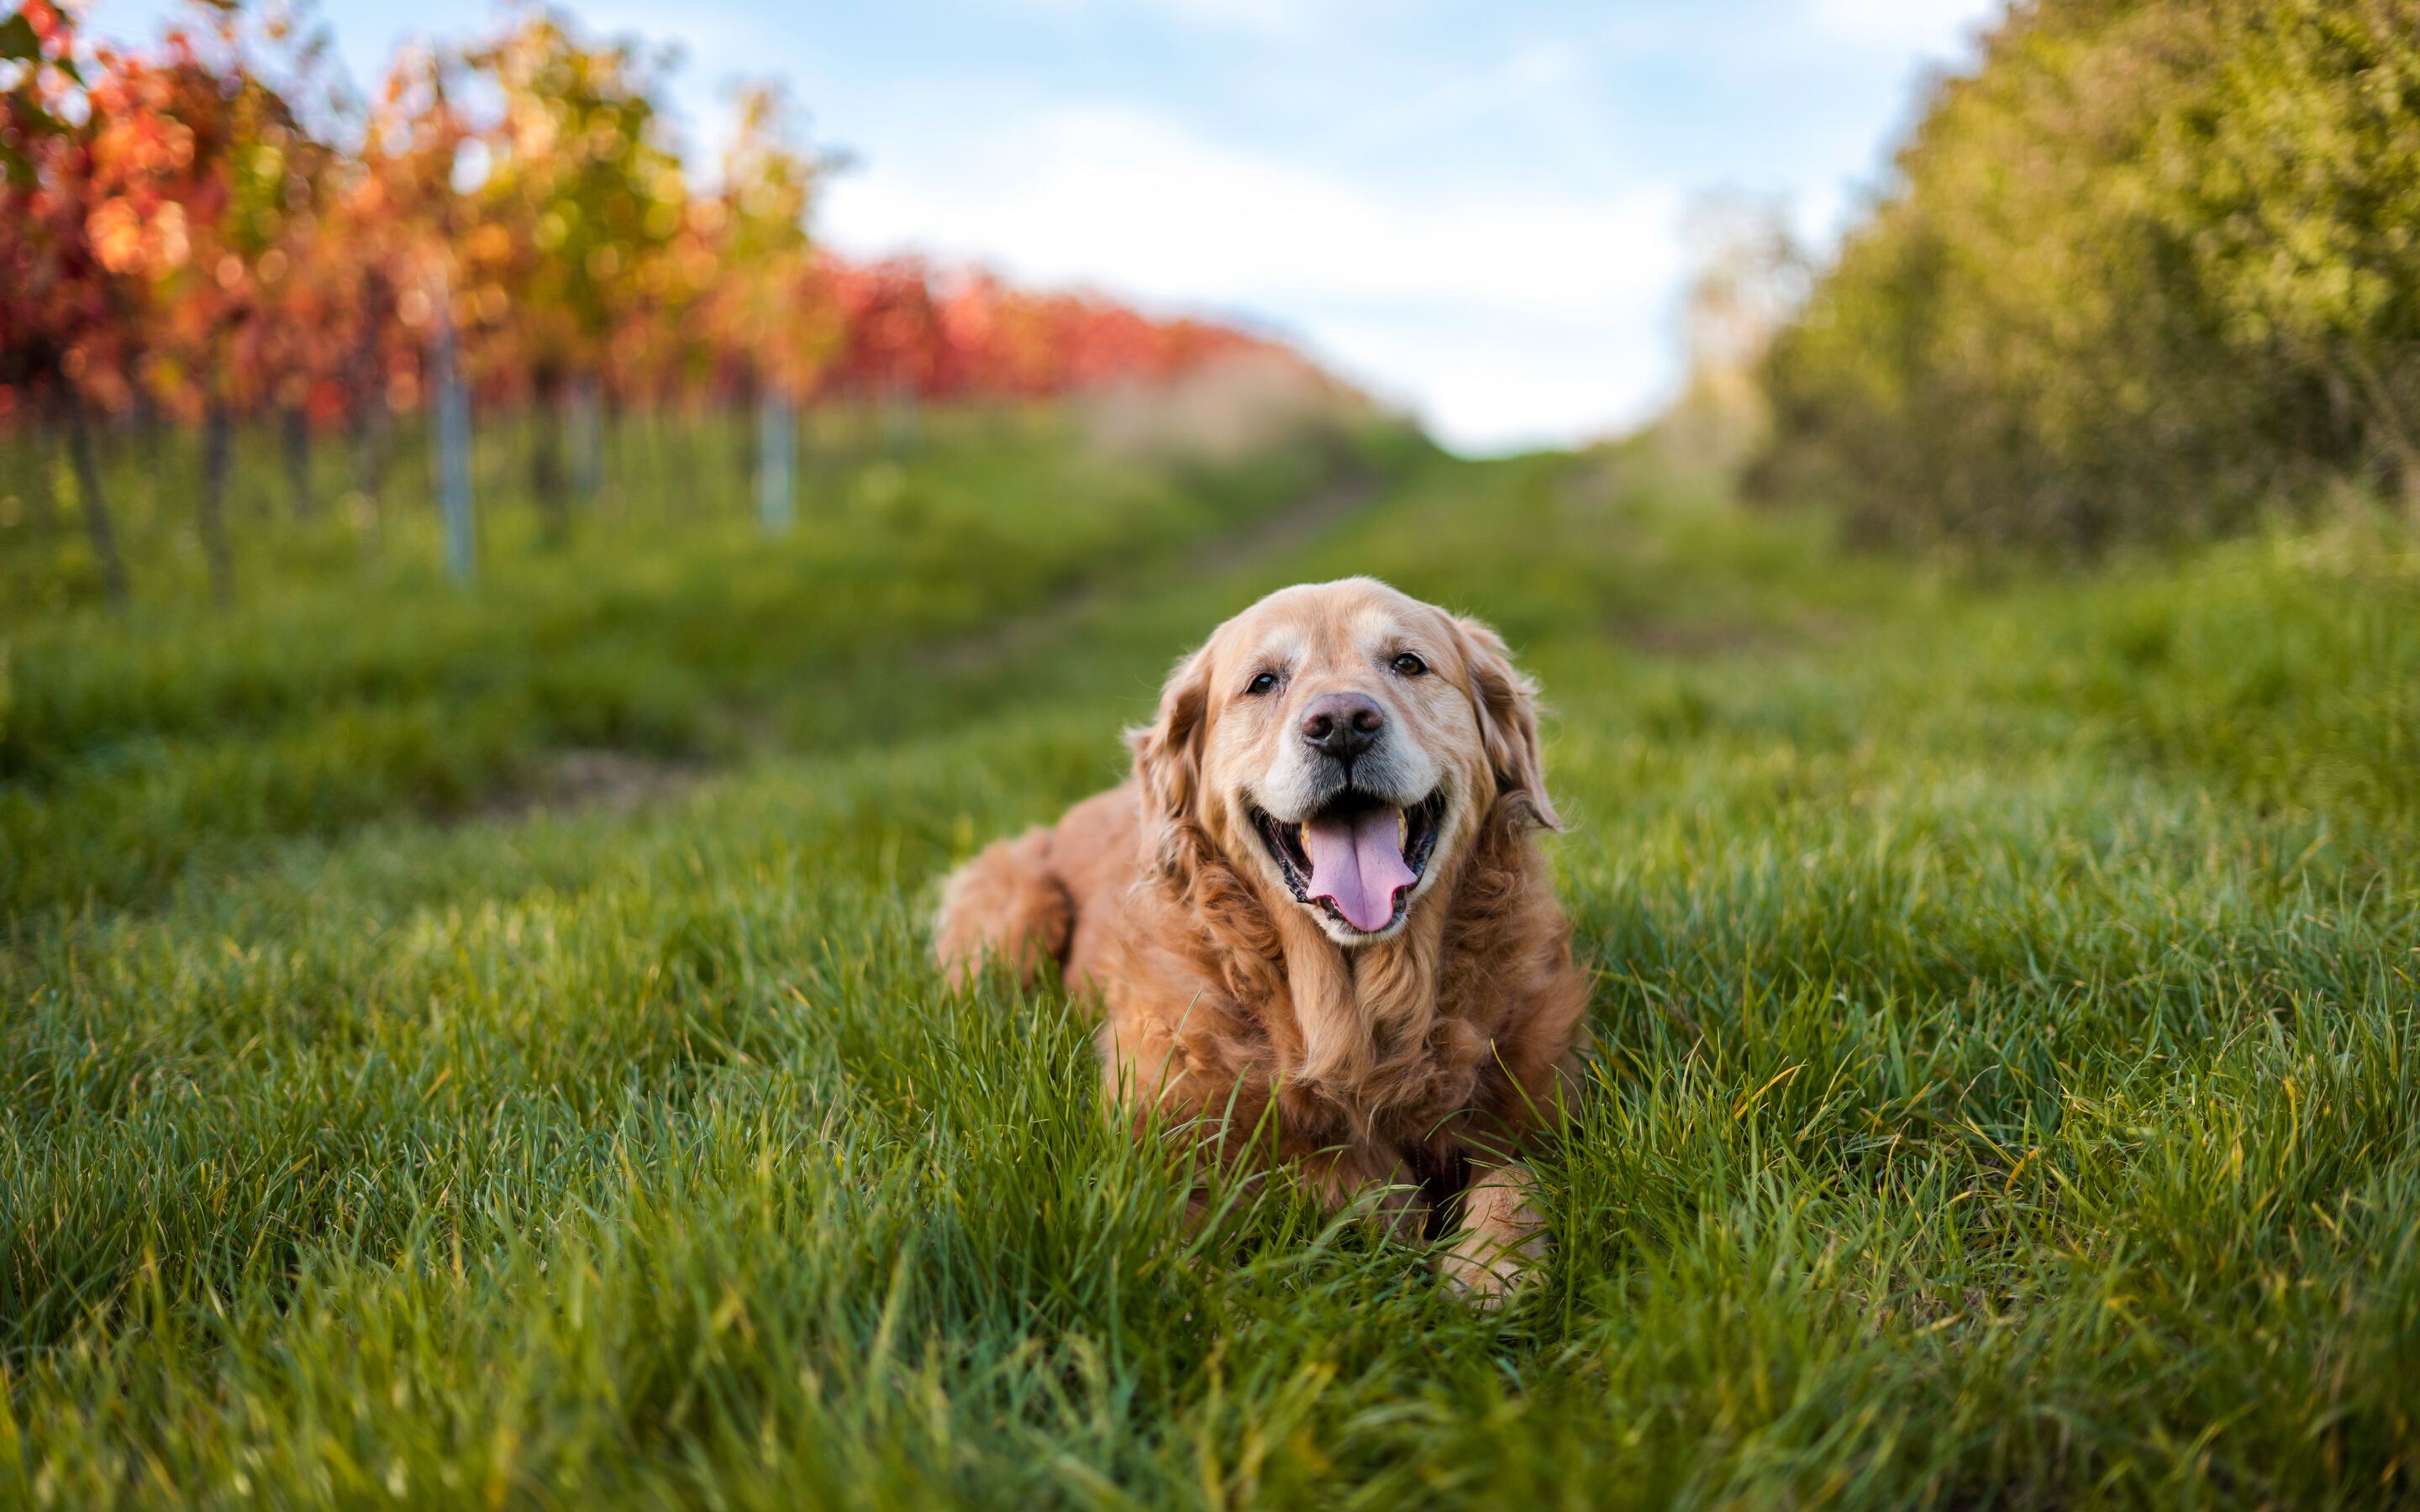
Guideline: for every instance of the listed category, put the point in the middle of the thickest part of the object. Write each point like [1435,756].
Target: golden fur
[1413,1069]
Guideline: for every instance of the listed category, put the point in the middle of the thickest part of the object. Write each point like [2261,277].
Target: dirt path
[582,778]
[1270,535]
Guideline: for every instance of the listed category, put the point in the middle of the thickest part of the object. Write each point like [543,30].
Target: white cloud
[1490,384]
[1526,71]
[1506,319]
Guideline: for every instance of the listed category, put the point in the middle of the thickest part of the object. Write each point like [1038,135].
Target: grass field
[2007,1093]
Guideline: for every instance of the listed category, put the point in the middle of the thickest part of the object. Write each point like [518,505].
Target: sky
[1476,211]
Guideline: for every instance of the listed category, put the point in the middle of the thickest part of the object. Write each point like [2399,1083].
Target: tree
[2291,175]
[409,223]
[757,226]
[207,228]
[208,184]
[578,197]
[65,315]
[2147,271]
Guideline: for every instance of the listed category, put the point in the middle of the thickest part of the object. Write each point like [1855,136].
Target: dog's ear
[1168,750]
[1508,718]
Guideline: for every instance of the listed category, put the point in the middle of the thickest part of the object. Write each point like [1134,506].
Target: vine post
[777,449]
[453,449]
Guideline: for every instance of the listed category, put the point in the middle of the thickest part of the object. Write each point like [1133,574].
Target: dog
[1316,918]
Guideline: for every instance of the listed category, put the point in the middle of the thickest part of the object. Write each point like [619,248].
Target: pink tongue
[1355,865]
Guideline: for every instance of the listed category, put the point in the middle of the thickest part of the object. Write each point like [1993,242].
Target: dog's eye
[1262,684]
[1408,665]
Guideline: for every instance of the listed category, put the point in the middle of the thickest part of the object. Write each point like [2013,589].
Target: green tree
[2139,275]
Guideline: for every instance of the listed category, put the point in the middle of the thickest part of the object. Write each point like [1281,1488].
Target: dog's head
[1341,744]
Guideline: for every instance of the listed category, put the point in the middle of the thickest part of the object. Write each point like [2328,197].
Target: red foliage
[170,226]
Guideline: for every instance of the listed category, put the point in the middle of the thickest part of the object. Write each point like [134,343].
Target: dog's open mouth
[1358,855]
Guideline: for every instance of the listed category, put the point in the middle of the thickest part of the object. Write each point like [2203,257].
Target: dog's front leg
[1392,1205]
[1502,1238]
[1376,1192]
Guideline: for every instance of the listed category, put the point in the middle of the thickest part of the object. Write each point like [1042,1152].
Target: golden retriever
[1315,916]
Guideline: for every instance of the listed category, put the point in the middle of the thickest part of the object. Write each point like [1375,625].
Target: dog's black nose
[1342,725]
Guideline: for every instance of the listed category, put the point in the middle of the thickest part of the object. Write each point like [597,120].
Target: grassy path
[1273,537]
[2006,1095]
[132,752]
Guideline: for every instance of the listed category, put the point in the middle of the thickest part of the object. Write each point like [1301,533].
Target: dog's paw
[1476,1281]
[1501,1241]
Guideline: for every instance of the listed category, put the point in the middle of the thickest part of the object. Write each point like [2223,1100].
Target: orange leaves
[908,330]
[49,24]
[181,230]
[127,241]
[491,244]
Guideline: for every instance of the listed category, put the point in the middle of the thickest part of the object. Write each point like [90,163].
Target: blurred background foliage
[2150,269]
[213,235]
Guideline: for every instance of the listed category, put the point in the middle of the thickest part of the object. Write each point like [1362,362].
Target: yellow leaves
[763,199]
[602,141]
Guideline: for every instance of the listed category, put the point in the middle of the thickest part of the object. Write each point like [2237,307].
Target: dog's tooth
[1402,827]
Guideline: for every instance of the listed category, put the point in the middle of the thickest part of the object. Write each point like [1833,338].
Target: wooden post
[93,507]
[453,450]
[776,441]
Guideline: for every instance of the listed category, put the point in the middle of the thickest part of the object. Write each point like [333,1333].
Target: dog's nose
[1342,725]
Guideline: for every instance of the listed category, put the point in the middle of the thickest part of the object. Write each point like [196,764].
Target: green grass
[2007,1093]
[340,691]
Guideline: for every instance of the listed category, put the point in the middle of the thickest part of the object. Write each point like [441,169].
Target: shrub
[2149,268]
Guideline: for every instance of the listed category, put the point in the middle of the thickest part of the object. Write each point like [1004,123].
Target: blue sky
[1475,210]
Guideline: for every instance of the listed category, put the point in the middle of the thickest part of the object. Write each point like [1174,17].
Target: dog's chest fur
[1395,1059]
[1370,1052]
